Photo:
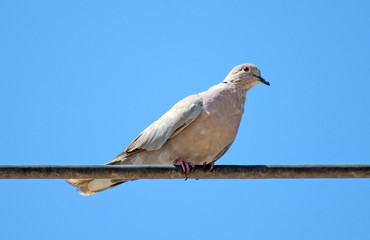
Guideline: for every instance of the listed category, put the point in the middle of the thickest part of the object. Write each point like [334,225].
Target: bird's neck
[239,86]
[244,86]
[231,89]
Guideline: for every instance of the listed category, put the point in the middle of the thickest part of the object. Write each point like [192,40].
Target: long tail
[88,187]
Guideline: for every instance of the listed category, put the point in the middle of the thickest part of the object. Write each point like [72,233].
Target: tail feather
[88,187]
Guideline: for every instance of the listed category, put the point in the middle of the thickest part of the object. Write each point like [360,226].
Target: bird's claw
[185,165]
[212,165]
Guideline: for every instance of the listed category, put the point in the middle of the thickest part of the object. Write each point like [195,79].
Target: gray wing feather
[169,125]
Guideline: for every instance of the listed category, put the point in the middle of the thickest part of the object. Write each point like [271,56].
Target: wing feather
[169,125]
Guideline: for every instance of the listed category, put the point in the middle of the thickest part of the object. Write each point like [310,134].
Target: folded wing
[169,125]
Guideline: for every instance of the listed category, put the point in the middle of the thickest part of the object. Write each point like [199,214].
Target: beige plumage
[199,129]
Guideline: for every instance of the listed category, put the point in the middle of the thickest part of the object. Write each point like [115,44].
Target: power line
[172,172]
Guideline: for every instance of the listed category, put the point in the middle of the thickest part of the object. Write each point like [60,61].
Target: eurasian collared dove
[198,130]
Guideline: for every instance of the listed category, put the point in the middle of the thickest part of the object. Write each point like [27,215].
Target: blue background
[79,80]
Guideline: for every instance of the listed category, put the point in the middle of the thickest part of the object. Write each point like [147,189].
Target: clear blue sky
[79,80]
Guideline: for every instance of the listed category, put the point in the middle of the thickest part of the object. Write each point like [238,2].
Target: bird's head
[246,76]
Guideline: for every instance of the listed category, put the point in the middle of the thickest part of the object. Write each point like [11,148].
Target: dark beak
[263,81]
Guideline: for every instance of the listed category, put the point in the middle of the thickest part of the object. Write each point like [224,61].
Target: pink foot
[212,165]
[185,165]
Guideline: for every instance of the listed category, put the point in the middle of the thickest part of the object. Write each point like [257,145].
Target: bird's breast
[214,129]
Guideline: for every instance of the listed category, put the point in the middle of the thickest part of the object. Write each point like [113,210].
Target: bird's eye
[246,69]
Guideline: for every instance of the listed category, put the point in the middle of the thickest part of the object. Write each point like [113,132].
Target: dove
[197,130]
